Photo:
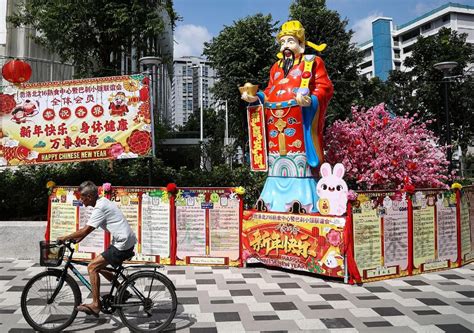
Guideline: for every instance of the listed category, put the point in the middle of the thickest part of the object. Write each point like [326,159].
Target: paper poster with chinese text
[77,120]
[208,226]
[155,224]
[424,233]
[127,199]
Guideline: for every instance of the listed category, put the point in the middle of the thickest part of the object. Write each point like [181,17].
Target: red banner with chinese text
[77,120]
[301,242]
[257,138]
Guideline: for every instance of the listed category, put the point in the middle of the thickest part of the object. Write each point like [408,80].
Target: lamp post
[226,132]
[446,67]
[151,65]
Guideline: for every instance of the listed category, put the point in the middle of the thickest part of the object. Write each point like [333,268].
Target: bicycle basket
[51,255]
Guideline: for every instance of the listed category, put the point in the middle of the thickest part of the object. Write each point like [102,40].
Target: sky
[204,19]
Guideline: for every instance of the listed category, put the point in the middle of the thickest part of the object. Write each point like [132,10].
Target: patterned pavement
[257,299]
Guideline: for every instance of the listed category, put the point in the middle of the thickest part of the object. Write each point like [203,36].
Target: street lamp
[446,67]
[226,132]
[151,64]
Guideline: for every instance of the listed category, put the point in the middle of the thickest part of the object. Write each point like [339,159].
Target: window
[408,48]
[397,54]
[426,27]
[446,18]
[184,87]
[366,64]
[410,35]
[190,87]
[189,103]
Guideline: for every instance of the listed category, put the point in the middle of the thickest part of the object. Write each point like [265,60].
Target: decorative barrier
[197,226]
[397,235]
[384,235]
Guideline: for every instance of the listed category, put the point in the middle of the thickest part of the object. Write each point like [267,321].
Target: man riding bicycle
[109,217]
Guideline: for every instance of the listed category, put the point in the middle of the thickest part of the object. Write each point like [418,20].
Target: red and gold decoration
[16,71]
[78,120]
[257,138]
[301,242]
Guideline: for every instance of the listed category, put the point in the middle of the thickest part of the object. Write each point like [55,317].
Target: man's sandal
[87,310]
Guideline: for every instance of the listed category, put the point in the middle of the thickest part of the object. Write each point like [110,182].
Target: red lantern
[16,71]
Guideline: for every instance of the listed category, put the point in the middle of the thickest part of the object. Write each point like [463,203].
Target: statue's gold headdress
[295,29]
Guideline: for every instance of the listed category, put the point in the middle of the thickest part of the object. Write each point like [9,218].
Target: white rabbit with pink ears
[332,190]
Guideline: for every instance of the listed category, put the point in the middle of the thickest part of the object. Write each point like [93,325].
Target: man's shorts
[115,257]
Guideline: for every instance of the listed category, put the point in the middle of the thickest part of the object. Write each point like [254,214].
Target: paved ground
[258,299]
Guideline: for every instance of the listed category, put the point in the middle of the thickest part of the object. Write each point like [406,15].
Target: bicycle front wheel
[147,301]
[56,316]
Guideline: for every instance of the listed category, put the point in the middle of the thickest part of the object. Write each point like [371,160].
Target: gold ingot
[250,89]
[323,205]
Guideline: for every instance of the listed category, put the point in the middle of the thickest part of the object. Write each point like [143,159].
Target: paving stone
[387,311]
[452,276]
[226,316]
[377,324]
[281,306]
[336,323]
[377,289]
[454,328]
[242,292]
[431,301]
[467,293]
[333,297]
[416,282]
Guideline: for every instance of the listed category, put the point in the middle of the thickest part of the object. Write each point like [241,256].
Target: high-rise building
[391,44]
[192,80]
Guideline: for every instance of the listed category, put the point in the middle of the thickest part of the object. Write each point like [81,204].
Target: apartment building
[391,44]
[192,80]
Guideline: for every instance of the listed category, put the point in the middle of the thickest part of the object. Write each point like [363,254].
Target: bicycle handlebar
[65,242]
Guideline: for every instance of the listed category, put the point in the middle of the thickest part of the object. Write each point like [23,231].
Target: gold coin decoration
[131,85]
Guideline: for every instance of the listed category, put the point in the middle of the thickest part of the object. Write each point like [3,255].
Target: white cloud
[363,28]
[189,40]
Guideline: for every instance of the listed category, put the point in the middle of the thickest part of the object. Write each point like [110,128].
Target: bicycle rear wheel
[56,316]
[150,304]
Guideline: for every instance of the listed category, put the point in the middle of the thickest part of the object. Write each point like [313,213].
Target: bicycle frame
[118,273]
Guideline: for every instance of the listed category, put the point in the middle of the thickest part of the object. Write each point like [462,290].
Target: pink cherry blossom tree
[379,150]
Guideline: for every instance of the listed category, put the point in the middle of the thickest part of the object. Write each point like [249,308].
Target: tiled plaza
[257,299]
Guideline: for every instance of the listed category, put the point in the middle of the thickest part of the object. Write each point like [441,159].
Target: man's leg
[107,274]
[94,268]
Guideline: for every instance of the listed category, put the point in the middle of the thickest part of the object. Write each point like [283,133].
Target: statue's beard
[288,61]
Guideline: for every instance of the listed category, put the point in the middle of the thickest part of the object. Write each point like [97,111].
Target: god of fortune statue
[293,108]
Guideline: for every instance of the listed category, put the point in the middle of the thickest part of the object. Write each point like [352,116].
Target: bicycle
[50,298]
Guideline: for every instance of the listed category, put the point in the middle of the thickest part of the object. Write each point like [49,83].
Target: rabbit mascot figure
[332,190]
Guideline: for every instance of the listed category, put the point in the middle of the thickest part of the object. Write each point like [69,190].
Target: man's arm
[78,235]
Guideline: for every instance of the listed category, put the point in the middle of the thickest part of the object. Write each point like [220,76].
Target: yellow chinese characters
[257,139]
[277,241]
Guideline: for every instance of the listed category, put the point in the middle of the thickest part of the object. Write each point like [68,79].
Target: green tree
[341,57]
[93,34]
[242,52]
[421,89]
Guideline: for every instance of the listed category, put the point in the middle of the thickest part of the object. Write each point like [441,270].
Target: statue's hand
[303,100]
[248,98]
